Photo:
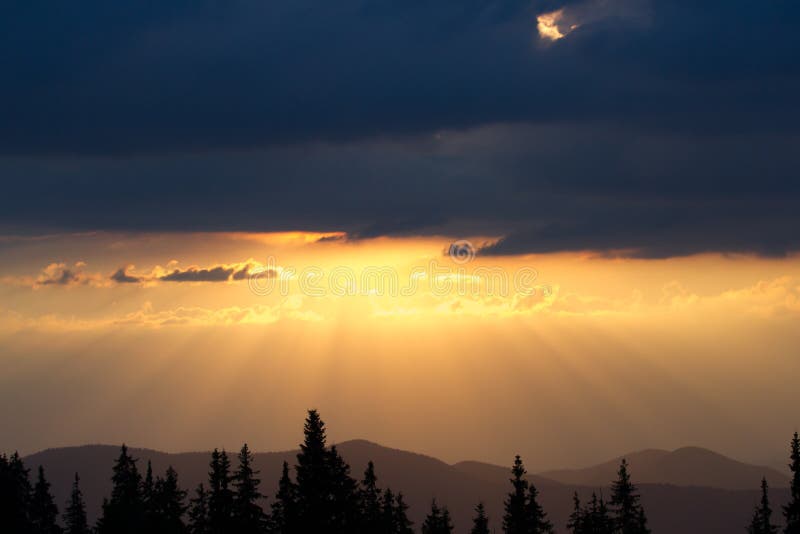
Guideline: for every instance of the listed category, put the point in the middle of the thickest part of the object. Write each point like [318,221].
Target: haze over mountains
[689,490]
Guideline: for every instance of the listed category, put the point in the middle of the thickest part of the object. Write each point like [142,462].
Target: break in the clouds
[644,128]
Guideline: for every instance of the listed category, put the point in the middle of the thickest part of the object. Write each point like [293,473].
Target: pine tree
[168,504]
[313,502]
[515,517]
[598,520]
[248,514]
[388,525]
[400,522]
[762,516]
[792,509]
[147,497]
[220,496]
[15,494]
[198,512]
[75,512]
[43,511]
[578,518]
[437,521]
[343,490]
[123,513]
[370,501]
[480,523]
[283,517]
[629,517]
[537,522]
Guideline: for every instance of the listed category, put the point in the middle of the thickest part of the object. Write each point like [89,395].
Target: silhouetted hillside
[687,466]
[671,509]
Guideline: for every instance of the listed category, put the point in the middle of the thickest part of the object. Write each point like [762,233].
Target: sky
[565,229]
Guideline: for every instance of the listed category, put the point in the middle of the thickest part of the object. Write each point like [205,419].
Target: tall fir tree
[198,512]
[168,504]
[515,516]
[629,516]
[43,510]
[312,477]
[387,512]
[124,513]
[791,512]
[283,517]
[537,522]
[598,519]
[248,515]
[401,524]
[370,502]
[762,516]
[480,523]
[437,521]
[148,484]
[75,520]
[343,494]
[576,523]
[15,494]
[220,495]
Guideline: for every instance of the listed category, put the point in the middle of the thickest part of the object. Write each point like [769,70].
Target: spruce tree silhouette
[248,515]
[437,521]
[15,494]
[400,522]
[629,516]
[514,519]
[791,512]
[43,511]
[536,516]
[283,518]
[74,517]
[312,477]
[220,496]
[370,497]
[123,513]
[327,499]
[599,521]
[147,497]
[480,523]
[168,504]
[577,519]
[198,512]
[345,510]
[393,512]
[762,515]
[387,511]
[591,519]
[523,513]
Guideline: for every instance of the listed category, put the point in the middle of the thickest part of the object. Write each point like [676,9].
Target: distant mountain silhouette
[671,509]
[687,466]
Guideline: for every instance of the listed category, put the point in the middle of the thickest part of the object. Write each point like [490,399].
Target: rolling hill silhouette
[671,508]
[687,466]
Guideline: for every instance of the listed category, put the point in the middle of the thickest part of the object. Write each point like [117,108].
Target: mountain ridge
[460,486]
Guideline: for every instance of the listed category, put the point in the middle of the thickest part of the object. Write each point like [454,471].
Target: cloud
[193,274]
[651,129]
[195,76]
[121,276]
[63,275]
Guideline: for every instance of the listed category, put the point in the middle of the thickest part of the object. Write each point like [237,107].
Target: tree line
[321,497]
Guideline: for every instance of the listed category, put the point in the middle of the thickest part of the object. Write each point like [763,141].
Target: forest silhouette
[318,495]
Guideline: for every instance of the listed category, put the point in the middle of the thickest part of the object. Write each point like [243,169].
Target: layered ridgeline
[684,491]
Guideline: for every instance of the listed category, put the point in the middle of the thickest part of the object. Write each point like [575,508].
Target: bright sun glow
[547,23]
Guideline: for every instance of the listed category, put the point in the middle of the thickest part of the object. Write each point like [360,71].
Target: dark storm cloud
[129,77]
[655,128]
